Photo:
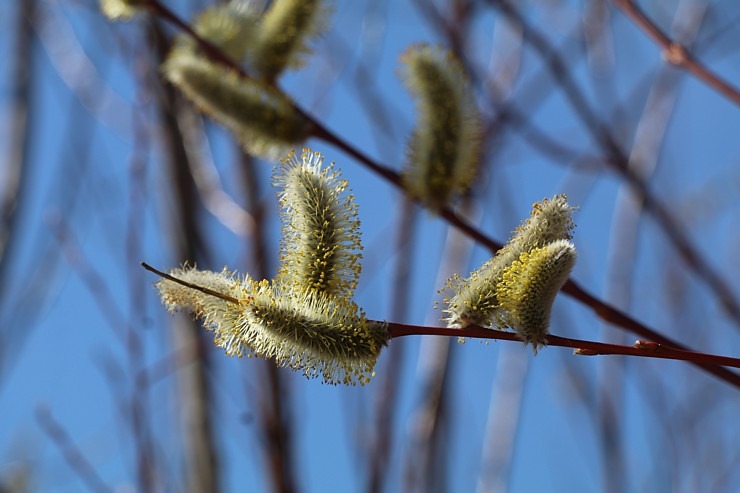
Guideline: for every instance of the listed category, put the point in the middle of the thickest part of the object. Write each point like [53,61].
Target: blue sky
[96,176]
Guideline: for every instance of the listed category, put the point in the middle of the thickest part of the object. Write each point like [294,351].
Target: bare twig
[75,460]
[676,53]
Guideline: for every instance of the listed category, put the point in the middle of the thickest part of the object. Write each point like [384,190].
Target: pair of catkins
[305,317]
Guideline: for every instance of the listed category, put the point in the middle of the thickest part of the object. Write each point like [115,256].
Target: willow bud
[282,35]
[263,119]
[445,145]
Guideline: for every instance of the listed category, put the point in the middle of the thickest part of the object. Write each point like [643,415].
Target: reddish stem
[677,54]
[644,349]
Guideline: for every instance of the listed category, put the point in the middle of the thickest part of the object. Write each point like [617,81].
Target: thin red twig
[676,53]
[644,349]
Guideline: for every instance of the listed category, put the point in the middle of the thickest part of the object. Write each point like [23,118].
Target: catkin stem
[190,285]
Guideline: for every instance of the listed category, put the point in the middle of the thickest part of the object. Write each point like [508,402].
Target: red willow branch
[643,349]
[602,309]
[676,53]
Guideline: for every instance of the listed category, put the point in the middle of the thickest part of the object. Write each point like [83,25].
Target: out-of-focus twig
[15,170]
[72,455]
[643,160]
[386,398]
[676,52]
[274,410]
[201,452]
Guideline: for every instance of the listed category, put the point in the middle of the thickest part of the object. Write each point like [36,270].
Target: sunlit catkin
[231,27]
[445,145]
[284,30]
[528,288]
[263,119]
[476,300]
[121,10]
[312,332]
[321,232]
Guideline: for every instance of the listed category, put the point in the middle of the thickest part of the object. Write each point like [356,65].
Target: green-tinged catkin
[320,246]
[529,286]
[282,37]
[444,148]
[318,334]
[231,27]
[312,332]
[121,10]
[475,300]
[550,220]
[216,313]
[264,120]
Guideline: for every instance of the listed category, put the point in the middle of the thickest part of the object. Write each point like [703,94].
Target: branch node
[585,352]
[646,345]
[676,54]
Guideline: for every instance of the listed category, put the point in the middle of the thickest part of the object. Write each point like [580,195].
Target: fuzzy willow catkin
[264,120]
[445,145]
[304,319]
[229,26]
[519,272]
[121,10]
[321,232]
[315,333]
[528,288]
[282,36]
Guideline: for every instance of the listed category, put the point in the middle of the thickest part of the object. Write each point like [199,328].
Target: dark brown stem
[187,284]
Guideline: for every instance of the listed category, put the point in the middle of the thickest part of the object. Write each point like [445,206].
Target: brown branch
[644,349]
[276,426]
[602,309]
[676,53]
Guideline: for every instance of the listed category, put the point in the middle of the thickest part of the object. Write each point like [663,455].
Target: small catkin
[320,247]
[121,10]
[264,120]
[550,220]
[231,27]
[529,286]
[281,39]
[445,145]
